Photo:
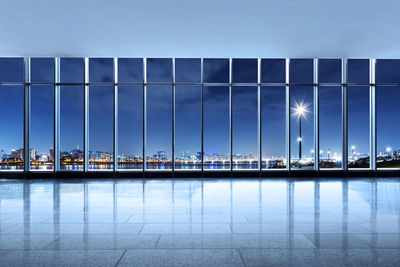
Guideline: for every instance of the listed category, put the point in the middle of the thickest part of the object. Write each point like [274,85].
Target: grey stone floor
[195,222]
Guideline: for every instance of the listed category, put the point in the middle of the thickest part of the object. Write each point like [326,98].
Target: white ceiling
[200,28]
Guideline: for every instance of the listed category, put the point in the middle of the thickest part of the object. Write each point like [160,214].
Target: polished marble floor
[195,222]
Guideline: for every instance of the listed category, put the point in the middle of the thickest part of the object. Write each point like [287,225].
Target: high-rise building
[17,154]
[161,155]
[51,154]
[32,154]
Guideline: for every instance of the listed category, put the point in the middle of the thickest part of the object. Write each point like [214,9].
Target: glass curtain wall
[330,113]
[12,104]
[130,114]
[388,115]
[72,114]
[245,149]
[188,96]
[302,114]
[273,114]
[198,114]
[216,114]
[101,114]
[41,134]
[358,110]
[159,113]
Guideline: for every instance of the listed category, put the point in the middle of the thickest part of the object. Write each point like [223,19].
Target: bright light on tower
[353,147]
[388,149]
[300,109]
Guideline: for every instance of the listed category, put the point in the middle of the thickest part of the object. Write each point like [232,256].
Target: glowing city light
[300,109]
[388,149]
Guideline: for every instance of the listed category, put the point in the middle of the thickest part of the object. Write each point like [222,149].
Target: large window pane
[388,71]
[42,70]
[187,70]
[130,127]
[130,70]
[187,127]
[302,127]
[273,127]
[216,70]
[71,127]
[159,70]
[301,71]
[11,138]
[159,127]
[358,126]
[216,127]
[330,126]
[41,131]
[12,70]
[358,71]
[245,127]
[101,70]
[388,126]
[101,127]
[244,70]
[72,70]
[273,70]
[330,71]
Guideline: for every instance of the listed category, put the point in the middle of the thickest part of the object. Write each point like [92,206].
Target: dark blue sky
[101,117]
[188,106]
[42,118]
[71,117]
[159,120]
[216,120]
[244,120]
[273,100]
[130,120]
[12,104]
[187,119]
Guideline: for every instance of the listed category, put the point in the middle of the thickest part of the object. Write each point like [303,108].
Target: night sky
[188,106]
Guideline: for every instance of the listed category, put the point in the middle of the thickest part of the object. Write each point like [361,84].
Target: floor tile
[234,241]
[26,241]
[28,218]
[105,242]
[381,240]
[307,257]
[388,257]
[206,228]
[61,258]
[182,257]
[336,241]
[5,226]
[4,252]
[92,218]
[74,228]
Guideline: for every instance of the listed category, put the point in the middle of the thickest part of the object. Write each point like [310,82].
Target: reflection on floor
[200,222]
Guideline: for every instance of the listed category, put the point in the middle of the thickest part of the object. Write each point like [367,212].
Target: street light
[388,150]
[300,110]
